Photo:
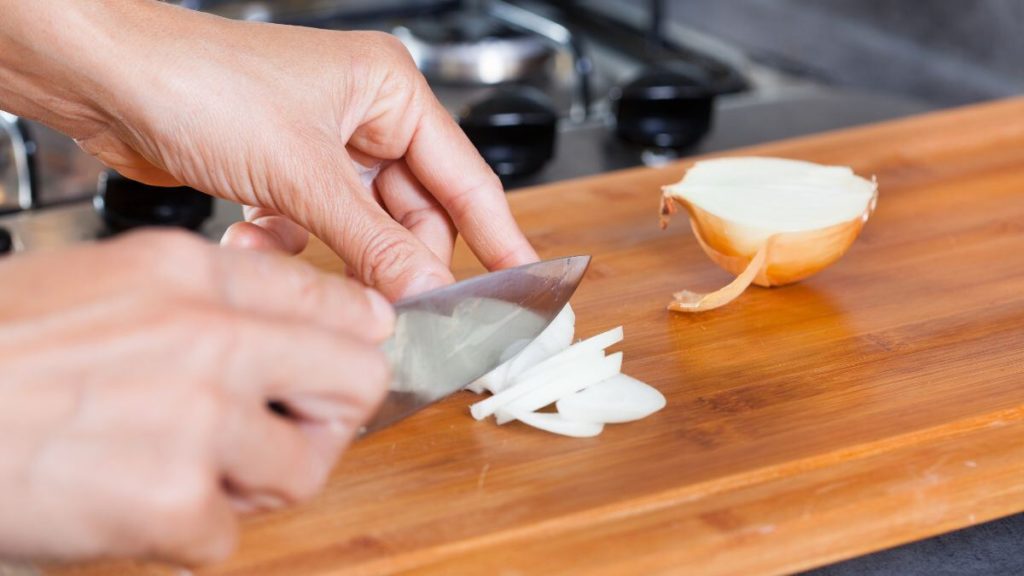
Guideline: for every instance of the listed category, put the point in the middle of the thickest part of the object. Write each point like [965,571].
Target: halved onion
[769,221]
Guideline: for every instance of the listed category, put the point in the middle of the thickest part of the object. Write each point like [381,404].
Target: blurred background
[549,90]
[942,52]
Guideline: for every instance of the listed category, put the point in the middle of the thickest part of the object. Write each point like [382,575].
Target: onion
[522,355]
[584,374]
[584,350]
[584,384]
[769,221]
[620,398]
[556,424]
[538,381]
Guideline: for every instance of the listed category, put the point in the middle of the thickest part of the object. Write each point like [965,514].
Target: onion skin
[792,256]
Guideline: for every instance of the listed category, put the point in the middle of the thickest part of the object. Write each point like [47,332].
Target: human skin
[137,379]
[269,116]
[138,372]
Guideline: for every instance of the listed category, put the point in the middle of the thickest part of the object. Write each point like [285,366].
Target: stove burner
[125,204]
[665,106]
[6,241]
[514,129]
[475,49]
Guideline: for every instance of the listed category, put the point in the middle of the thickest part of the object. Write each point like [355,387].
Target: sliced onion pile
[769,221]
[584,384]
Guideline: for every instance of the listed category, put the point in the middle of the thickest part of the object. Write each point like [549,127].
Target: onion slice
[620,398]
[586,374]
[523,355]
[579,380]
[562,365]
[538,381]
[769,221]
[556,424]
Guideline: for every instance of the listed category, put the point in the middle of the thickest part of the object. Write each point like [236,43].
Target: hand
[277,117]
[136,379]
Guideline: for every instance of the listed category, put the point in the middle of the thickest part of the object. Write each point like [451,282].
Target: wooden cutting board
[879,402]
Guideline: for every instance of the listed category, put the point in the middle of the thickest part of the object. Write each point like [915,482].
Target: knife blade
[447,338]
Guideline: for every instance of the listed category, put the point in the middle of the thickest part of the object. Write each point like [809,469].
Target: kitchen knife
[447,338]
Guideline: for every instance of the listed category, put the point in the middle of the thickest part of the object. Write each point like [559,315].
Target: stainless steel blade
[447,338]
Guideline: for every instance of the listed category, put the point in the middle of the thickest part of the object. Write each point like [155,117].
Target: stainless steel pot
[473,48]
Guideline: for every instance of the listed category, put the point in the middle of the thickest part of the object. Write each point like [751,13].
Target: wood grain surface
[878,402]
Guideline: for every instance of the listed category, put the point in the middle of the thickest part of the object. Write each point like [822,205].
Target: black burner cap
[668,105]
[513,128]
[6,241]
[125,204]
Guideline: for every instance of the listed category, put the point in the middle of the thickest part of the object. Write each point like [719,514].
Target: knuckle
[309,289]
[165,241]
[201,325]
[208,408]
[176,257]
[303,472]
[218,546]
[182,504]
[386,258]
[310,483]
[414,218]
[392,46]
[461,204]
[209,339]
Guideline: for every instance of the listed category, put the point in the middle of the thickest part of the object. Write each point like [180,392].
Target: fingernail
[424,283]
[381,308]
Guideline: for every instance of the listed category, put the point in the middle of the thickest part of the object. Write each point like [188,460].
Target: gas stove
[545,90]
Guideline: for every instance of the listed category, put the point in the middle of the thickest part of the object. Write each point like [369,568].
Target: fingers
[266,230]
[211,534]
[249,236]
[324,377]
[291,236]
[235,454]
[328,387]
[444,160]
[415,209]
[295,290]
[380,251]
[269,461]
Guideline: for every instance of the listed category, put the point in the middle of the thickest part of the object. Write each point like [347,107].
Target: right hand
[137,375]
[275,117]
